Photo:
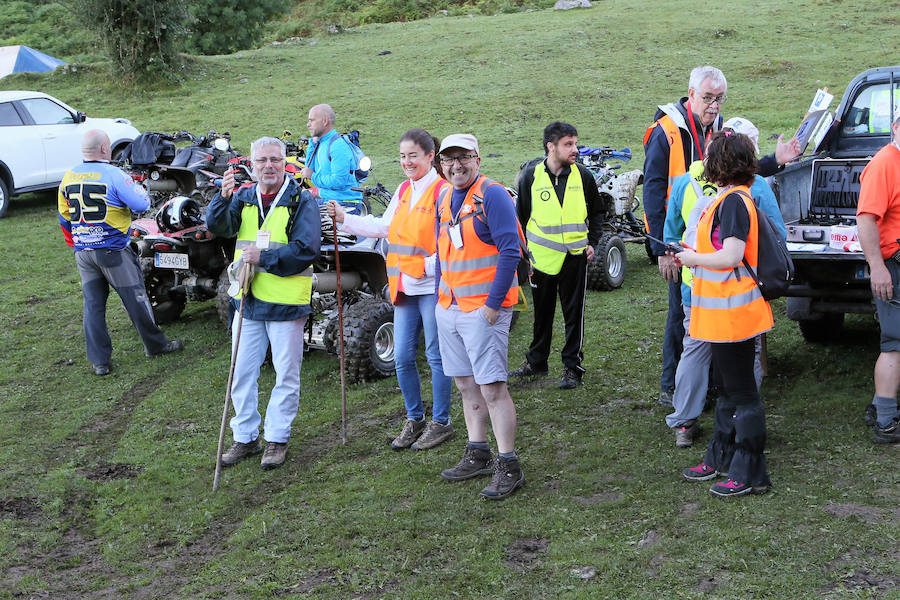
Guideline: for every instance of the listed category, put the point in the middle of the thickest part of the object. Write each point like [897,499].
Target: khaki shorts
[472,346]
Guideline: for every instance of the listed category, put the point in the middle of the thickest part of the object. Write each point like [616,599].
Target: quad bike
[617,192]
[180,259]
[169,171]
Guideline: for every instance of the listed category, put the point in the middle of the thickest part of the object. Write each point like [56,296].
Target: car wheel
[4,198]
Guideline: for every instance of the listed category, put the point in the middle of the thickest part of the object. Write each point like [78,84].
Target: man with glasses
[878,219]
[560,208]
[278,234]
[479,242]
[330,164]
[676,139]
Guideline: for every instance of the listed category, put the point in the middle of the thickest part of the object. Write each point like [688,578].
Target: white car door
[60,134]
[21,148]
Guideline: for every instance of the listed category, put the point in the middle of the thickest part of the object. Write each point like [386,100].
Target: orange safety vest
[677,165]
[467,273]
[726,305]
[411,233]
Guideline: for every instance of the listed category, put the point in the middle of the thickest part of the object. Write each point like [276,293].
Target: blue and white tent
[17,59]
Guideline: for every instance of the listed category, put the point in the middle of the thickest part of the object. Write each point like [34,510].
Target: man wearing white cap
[479,241]
[690,196]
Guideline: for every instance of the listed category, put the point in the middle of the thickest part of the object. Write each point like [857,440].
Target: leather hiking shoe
[508,477]
[274,455]
[889,434]
[411,432]
[571,379]
[665,398]
[685,434]
[435,433]
[101,370]
[474,462]
[239,451]
[527,370]
[171,346]
[701,472]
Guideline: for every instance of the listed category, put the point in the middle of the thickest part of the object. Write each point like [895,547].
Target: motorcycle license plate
[170,260]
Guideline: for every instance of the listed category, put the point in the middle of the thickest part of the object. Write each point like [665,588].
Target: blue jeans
[412,314]
[672,338]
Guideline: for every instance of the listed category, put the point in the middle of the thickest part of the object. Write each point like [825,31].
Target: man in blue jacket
[278,232]
[691,194]
[330,163]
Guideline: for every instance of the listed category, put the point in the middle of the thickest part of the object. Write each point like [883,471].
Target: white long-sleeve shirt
[377,227]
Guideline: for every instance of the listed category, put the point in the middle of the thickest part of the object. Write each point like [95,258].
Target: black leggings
[740,421]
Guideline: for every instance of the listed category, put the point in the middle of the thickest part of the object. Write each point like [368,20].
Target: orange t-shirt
[879,195]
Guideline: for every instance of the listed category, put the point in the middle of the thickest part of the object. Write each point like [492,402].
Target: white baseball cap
[739,125]
[465,141]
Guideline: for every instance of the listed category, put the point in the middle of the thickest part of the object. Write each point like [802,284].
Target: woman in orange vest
[408,223]
[728,309]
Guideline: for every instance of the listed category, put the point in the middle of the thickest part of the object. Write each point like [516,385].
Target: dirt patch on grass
[707,584]
[651,538]
[862,579]
[869,514]
[105,471]
[689,509]
[310,582]
[19,508]
[601,498]
[526,553]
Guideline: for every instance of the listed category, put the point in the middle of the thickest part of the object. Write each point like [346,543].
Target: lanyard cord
[694,130]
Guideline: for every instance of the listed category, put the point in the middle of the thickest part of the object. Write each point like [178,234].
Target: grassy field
[106,482]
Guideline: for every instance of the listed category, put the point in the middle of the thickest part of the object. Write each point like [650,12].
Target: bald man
[330,164]
[96,200]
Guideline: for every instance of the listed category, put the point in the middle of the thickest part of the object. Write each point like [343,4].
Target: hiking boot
[508,477]
[412,429]
[685,434]
[665,398]
[171,346]
[889,434]
[274,455]
[239,451]
[101,370]
[435,433]
[571,379]
[527,370]
[474,462]
[701,472]
[732,488]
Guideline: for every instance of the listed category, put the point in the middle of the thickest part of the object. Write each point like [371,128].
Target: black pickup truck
[818,197]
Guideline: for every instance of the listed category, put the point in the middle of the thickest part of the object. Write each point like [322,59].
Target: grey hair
[701,74]
[267,141]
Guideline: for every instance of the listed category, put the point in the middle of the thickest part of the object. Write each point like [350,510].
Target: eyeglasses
[720,99]
[271,159]
[463,160]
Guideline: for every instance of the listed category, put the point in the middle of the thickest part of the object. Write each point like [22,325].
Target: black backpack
[775,269]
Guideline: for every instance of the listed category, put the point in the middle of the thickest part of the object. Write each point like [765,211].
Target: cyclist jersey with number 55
[95,202]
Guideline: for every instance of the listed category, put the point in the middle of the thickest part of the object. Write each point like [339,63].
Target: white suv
[40,139]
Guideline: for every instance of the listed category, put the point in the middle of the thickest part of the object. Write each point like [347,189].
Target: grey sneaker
[274,455]
[508,477]
[170,347]
[474,462]
[411,432]
[239,451]
[527,370]
[435,433]
[685,434]
[889,434]
[665,398]
[101,370]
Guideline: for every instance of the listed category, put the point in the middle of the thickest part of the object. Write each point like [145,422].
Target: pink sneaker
[701,472]
[732,488]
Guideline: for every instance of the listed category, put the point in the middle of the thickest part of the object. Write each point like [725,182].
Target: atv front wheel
[607,270]
[369,340]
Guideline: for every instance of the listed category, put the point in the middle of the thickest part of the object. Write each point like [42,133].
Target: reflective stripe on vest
[556,229]
[467,273]
[411,234]
[726,304]
[293,289]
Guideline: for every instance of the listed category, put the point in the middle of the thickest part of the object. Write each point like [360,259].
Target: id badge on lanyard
[455,232]
[264,236]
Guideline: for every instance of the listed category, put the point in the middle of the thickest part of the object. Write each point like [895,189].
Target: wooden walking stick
[244,278]
[337,262]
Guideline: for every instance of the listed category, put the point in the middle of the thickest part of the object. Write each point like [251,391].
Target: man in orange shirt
[878,219]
